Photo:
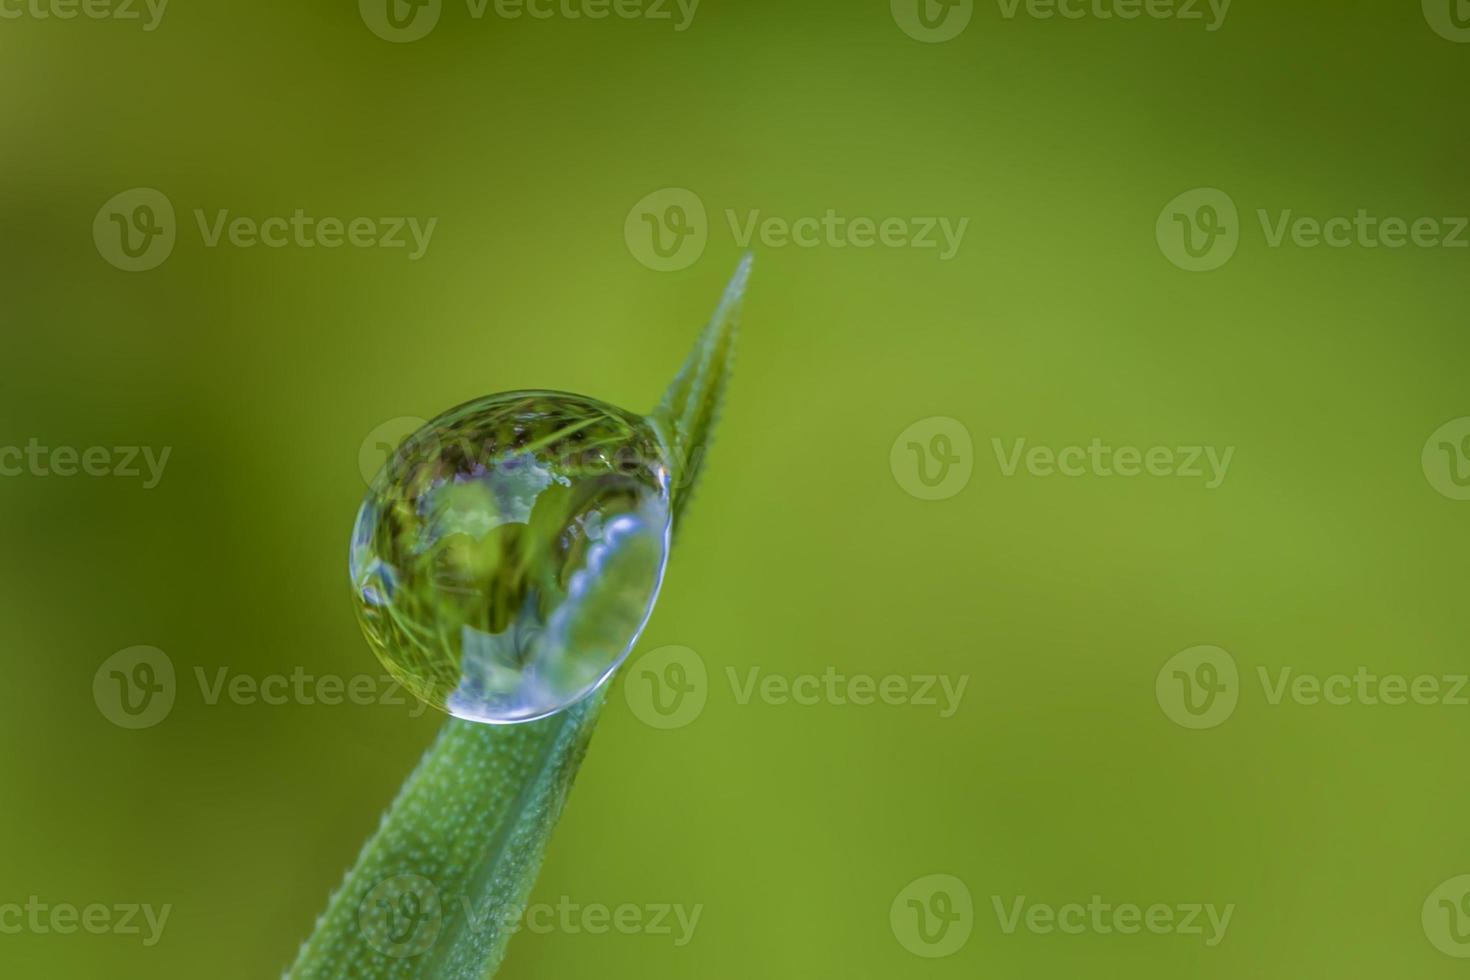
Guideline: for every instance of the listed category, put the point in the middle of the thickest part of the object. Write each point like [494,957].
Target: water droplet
[509,553]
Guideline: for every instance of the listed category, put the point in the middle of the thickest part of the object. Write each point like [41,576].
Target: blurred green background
[1061,318]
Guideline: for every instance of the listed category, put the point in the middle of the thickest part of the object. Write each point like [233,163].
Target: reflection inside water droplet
[509,553]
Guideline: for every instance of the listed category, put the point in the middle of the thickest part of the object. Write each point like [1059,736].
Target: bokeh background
[1329,545]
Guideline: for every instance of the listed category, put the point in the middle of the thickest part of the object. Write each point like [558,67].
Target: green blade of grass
[687,414]
[440,888]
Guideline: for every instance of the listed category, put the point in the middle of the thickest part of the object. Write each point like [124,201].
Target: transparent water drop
[509,553]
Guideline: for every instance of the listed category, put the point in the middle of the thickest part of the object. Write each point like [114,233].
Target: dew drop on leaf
[509,553]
